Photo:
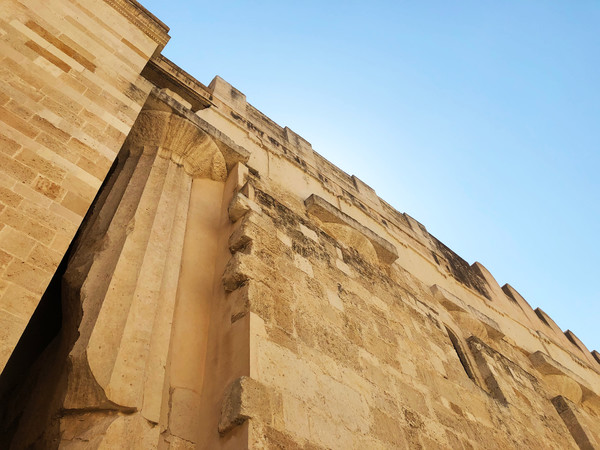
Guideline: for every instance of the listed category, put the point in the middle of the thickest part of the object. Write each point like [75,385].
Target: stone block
[326,212]
[243,267]
[295,416]
[228,94]
[299,145]
[15,242]
[244,399]
[568,413]
[182,421]
[387,428]
[241,205]
[27,275]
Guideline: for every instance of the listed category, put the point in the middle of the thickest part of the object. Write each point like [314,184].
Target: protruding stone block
[326,212]
[447,300]
[457,308]
[546,365]
[568,413]
[245,398]
[240,205]
[241,268]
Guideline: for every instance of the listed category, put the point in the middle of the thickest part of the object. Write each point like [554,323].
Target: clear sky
[480,119]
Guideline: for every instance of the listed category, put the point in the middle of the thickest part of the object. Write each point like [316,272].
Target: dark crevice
[461,355]
[39,358]
[43,327]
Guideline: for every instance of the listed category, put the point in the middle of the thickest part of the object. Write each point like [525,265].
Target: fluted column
[126,285]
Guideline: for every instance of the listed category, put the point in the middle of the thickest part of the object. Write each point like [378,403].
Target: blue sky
[480,119]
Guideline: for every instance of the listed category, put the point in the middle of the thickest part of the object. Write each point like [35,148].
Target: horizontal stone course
[69,92]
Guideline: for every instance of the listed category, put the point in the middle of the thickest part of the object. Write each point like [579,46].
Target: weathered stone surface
[244,399]
[229,288]
[58,160]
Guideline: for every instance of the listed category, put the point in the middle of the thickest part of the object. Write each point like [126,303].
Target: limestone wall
[352,353]
[230,288]
[295,170]
[70,91]
[366,331]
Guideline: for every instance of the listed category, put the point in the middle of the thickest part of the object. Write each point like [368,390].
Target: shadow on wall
[39,357]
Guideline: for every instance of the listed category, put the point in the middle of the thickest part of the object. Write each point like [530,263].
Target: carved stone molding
[341,224]
[143,19]
[180,140]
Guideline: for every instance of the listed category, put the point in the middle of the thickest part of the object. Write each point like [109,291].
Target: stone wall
[70,90]
[367,332]
[353,353]
[230,288]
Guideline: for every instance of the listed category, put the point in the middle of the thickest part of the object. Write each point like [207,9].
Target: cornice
[143,19]
[164,74]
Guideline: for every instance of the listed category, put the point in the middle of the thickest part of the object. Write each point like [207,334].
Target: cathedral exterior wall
[70,90]
[229,287]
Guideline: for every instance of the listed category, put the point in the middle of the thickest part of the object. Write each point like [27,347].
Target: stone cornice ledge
[233,153]
[143,19]
[546,365]
[325,211]
[165,74]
